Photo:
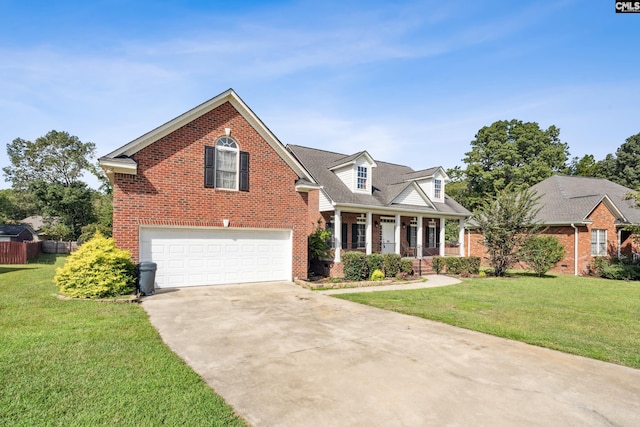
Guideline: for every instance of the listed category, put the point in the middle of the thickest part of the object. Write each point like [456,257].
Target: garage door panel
[192,257]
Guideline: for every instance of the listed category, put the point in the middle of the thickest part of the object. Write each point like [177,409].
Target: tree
[50,169]
[56,157]
[506,222]
[624,166]
[72,204]
[542,253]
[512,153]
[458,186]
[584,166]
[16,205]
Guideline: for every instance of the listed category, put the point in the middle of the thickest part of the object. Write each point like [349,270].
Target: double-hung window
[362,178]
[598,242]
[437,189]
[225,166]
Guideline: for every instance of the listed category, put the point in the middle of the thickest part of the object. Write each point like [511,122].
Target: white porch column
[397,234]
[337,236]
[419,238]
[461,236]
[442,224]
[369,233]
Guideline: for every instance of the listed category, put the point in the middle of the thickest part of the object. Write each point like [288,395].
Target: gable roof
[349,160]
[388,182]
[571,199]
[119,160]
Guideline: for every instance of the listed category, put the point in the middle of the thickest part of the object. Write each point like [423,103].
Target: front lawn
[595,318]
[85,363]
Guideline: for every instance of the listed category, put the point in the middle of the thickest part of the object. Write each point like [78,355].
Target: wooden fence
[19,252]
[55,247]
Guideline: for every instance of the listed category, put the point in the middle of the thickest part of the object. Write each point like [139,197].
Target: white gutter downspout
[619,241]
[575,250]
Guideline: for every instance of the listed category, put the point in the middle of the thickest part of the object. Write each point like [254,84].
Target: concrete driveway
[285,356]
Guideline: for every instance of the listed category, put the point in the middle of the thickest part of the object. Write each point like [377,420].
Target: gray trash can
[147,277]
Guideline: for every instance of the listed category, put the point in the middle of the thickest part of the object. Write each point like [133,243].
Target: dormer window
[437,189]
[362,178]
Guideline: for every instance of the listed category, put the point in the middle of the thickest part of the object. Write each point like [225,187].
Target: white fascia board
[114,166]
[304,188]
[394,210]
[185,118]
[610,205]
[352,162]
[422,194]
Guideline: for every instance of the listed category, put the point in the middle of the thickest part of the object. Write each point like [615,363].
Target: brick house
[587,215]
[379,207]
[213,197]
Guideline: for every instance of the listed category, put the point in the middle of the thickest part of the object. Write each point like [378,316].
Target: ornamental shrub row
[456,265]
[358,266]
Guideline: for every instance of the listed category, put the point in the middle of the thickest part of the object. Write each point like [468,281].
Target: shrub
[318,243]
[391,264]
[597,265]
[542,253]
[375,262]
[355,266]
[406,266]
[454,265]
[621,272]
[97,270]
[377,275]
[438,264]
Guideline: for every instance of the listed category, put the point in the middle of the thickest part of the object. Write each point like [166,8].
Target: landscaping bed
[332,283]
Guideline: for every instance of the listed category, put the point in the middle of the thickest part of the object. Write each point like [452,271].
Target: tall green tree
[57,158]
[624,166]
[51,169]
[512,153]
[506,223]
[16,205]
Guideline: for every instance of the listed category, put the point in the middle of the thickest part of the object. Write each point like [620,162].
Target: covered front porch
[404,233]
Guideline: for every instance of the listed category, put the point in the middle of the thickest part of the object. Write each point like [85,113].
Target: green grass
[79,363]
[595,318]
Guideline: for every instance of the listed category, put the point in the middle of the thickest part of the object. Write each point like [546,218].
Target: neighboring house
[17,233]
[380,207]
[37,222]
[213,197]
[587,215]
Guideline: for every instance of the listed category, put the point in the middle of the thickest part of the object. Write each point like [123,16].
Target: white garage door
[194,257]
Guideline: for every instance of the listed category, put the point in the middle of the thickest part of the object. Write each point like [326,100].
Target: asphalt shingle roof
[570,199]
[389,180]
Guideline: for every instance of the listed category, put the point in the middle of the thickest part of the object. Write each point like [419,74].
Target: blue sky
[409,81]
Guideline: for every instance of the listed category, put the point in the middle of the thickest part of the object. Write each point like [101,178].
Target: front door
[388,235]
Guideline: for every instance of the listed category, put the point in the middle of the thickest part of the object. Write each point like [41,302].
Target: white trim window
[361,183]
[437,189]
[598,242]
[226,163]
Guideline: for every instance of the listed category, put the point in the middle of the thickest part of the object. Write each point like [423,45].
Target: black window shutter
[354,236]
[209,167]
[344,235]
[409,235]
[244,171]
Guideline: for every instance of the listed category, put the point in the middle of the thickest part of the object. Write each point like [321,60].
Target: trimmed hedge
[356,266]
[391,264]
[456,265]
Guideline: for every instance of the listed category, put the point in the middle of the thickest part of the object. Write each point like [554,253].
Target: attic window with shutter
[225,166]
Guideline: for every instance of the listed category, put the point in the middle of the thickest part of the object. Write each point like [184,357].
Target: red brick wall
[169,187]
